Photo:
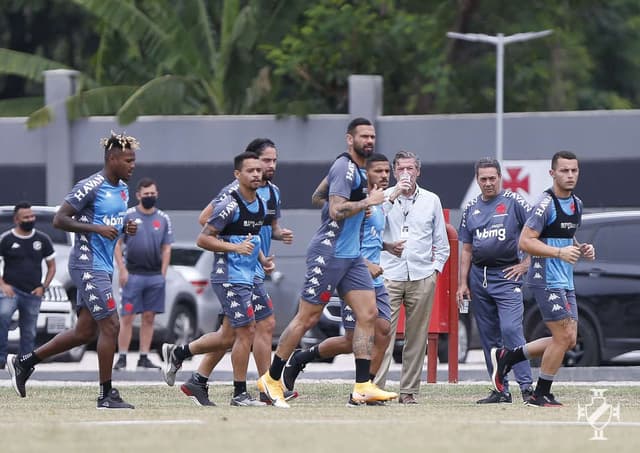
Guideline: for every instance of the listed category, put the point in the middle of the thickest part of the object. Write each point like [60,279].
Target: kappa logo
[314,281]
[83,257]
[311,291]
[255,297]
[92,297]
[234,304]
[476,212]
[537,265]
[83,219]
[259,307]
[86,276]
[89,287]
[349,318]
[347,308]
[96,308]
[220,261]
[334,224]
[537,275]
[326,242]
[226,285]
[238,315]
[83,238]
[331,234]
[219,271]
[15,245]
[320,260]
[230,294]
[84,248]
[556,307]
[553,296]
[317,270]
[517,290]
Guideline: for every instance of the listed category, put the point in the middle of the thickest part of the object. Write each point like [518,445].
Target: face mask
[148,202]
[27,226]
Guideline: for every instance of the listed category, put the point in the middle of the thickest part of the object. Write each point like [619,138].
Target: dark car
[607,291]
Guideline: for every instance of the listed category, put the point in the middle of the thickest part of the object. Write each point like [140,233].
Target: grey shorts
[382,302]
[143,293]
[328,274]
[261,301]
[236,302]
[94,292]
[556,304]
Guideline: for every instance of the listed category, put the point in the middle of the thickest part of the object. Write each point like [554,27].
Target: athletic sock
[198,378]
[29,360]
[515,356]
[182,352]
[372,377]
[275,370]
[105,388]
[362,370]
[308,355]
[239,387]
[543,387]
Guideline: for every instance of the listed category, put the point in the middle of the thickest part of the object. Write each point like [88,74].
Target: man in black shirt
[22,250]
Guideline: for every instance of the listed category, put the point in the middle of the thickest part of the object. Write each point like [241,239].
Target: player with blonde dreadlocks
[94,210]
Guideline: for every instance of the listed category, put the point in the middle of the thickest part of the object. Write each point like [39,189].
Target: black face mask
[27,226]
[148,202]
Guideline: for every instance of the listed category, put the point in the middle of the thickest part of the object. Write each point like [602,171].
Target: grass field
[64,419]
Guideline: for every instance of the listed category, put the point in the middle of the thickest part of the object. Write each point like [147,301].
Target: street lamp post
[499,41]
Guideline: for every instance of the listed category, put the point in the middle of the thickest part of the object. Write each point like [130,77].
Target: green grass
[64,419]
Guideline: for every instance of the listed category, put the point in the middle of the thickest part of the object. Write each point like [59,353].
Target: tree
[168,57]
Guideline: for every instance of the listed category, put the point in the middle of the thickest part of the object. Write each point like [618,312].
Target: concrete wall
[190,157]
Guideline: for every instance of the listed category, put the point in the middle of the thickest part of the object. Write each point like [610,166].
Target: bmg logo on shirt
[499,233]
[113,220]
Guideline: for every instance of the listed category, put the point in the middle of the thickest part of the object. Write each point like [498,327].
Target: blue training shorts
[143,293]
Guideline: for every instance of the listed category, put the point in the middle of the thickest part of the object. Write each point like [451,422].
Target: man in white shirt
[416,248]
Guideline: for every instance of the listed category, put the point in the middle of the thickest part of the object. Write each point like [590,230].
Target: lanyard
[405,213]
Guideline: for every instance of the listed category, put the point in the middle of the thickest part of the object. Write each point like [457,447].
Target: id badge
[404,232]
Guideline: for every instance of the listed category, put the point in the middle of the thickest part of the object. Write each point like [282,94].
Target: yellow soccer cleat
[366,392]
[273,390]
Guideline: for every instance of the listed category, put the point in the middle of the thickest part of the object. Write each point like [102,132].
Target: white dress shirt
[426,249]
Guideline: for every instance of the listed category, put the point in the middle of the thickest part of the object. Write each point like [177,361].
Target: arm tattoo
[349,208]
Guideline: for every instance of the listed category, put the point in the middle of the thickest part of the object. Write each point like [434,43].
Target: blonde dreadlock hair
[120,141]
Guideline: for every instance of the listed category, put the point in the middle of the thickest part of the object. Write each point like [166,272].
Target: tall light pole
[499,41]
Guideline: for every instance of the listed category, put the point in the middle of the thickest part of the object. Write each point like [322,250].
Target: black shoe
[121,363]
[292,369]
[527,393]
[199,393]
[500,368]
[496,397]
[19,375]
[547,400]
[144,362]
[113,401]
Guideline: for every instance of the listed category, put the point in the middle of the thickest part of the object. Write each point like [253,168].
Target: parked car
[187,314]
[607,292]
[330,325]
[196,264]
